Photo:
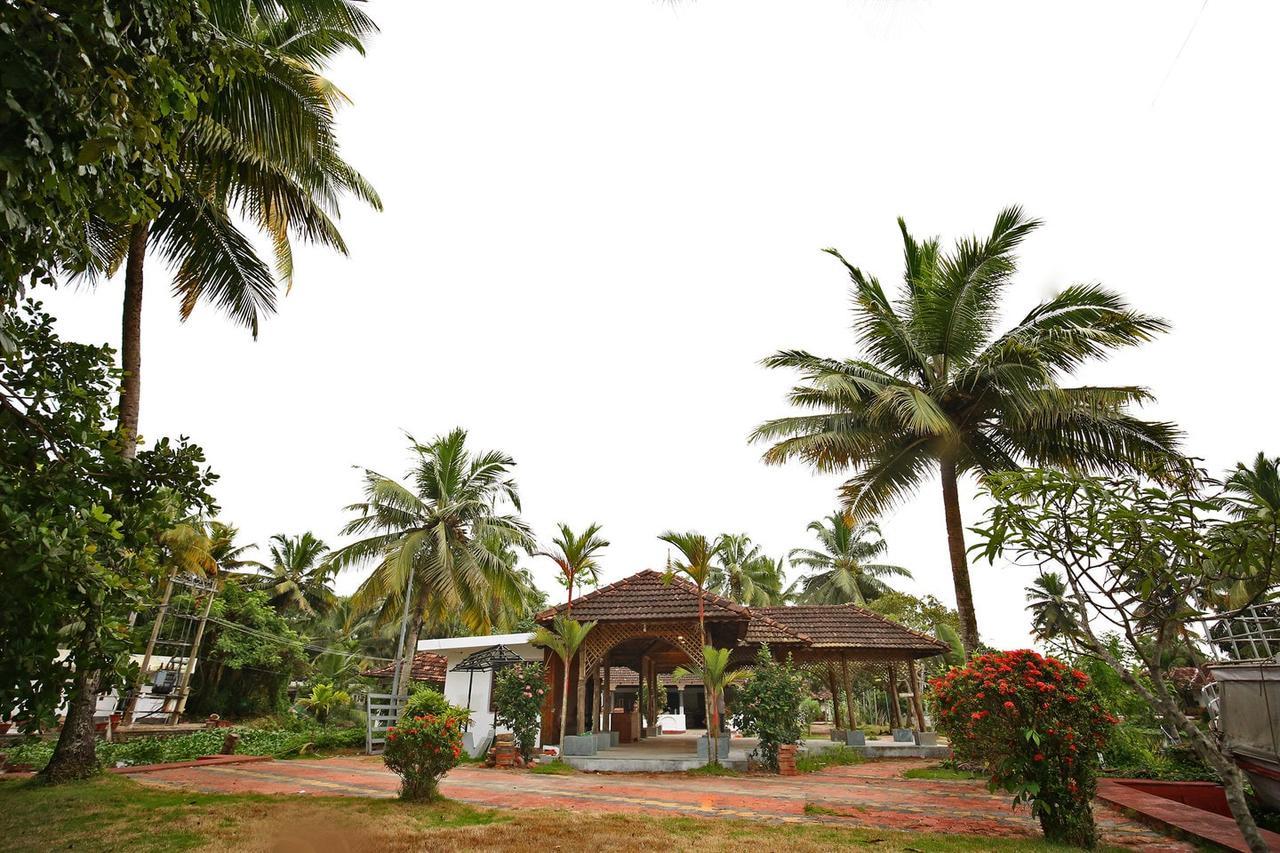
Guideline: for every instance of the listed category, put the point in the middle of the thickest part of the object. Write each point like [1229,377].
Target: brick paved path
[873,794]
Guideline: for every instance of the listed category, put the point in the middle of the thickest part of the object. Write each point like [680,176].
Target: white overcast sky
[601,214]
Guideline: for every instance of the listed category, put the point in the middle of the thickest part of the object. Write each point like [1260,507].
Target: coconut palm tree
[937,390]
[840,569]
[299,576]
[442,544]
[262,150]
[745,575]
[575,555]
[564,638]
[716,677]
[698,556]
[230,557]
[1052,613]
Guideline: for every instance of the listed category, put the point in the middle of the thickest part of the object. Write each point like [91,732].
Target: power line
[263,635]
[1178,56]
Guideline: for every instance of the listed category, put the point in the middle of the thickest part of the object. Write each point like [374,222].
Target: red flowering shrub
[1037,726]
[421,750]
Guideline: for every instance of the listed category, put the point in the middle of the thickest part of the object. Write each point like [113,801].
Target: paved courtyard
[873,794]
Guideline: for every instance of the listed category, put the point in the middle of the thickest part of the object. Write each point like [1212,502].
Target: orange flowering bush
[1037,726]
[421,750]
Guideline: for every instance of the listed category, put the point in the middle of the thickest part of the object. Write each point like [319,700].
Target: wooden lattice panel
[606,636]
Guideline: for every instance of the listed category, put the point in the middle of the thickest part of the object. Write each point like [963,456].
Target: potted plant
[715,676]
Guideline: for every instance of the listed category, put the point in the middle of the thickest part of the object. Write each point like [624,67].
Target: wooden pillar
[595,700]
[895,716]
[640,683]
[608,697]
[653,697]
[551,699]
[848,692]
[916,704]
[835,696]
[580,697]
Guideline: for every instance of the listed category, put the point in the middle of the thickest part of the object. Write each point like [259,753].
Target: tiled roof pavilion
[650,598]
[648,623]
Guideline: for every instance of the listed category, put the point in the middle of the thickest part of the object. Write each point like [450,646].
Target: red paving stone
[872,795]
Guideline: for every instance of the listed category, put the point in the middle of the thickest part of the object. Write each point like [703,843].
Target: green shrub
[810,710]
[420,750]
[518,692]
[427,701]
[1036,726]
[769,706]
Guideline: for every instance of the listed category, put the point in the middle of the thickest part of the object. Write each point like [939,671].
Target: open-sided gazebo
[648,623]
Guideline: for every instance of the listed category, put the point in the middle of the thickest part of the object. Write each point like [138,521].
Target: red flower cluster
[1020,715]
[421,750]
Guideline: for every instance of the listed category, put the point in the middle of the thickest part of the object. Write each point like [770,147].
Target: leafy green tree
[697,556]
[298,579]
[716,677]
[770,705]
[94,102]
[564,638]
[576,557]
[939,391]
[229,556]
[840,570]
[1146,558]
[324,700]
[1051,618]
[745,575]
[262,150]
[249,655]
[442,547]
[83,531]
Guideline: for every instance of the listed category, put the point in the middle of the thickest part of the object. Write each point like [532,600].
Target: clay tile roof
[646,595]
[652,595]
[843,626]
[426,667]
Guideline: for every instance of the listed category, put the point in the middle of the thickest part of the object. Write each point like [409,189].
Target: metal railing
[1249,634]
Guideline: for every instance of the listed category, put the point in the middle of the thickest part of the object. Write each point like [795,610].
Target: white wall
[454,650]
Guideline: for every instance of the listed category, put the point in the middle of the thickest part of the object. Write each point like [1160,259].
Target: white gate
[381,711]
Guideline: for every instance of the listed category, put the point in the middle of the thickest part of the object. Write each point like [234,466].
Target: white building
[474,690]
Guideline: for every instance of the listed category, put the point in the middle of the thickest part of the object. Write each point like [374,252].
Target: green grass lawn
[117,813]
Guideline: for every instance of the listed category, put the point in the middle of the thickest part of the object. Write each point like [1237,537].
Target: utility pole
[176,715]
[132,705]
[397,677]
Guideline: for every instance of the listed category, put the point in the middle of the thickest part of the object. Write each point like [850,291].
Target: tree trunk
[131,339]
[848,692]
[891,685]
[580,697]
[564,701]
[835,697]
[406,664]
[75,756]
[916,704]
[959,559]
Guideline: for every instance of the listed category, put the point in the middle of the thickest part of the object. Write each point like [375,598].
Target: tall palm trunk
[564,702]
[959,559]
[131,337]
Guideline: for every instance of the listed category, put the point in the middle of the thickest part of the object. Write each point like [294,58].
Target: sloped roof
[426,667]
[647,595]
[843,626]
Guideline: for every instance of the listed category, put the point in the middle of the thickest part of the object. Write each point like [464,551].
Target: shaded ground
[872,795]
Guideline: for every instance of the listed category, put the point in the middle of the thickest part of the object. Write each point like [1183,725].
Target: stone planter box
[603,740]
[579,744]
[903,736]
[722,750]
[926,738]
[855,737]
[614,738]
[839,735]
